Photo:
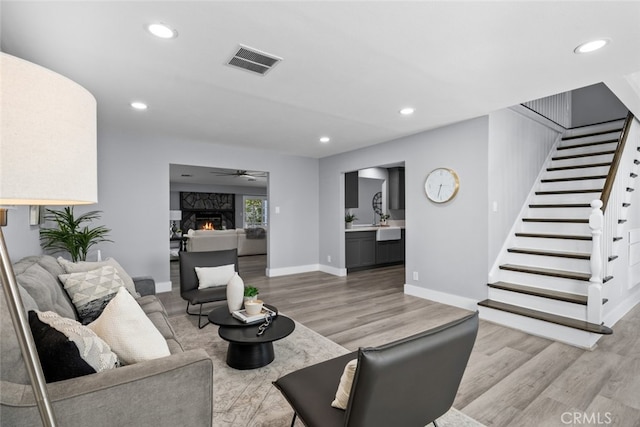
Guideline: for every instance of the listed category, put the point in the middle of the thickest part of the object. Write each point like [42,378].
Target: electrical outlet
[415,275]
[328,258]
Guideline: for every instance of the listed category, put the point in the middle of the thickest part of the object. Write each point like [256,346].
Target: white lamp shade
[175,215]
[48,145]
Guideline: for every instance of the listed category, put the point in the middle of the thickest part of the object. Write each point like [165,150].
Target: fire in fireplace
[208,221]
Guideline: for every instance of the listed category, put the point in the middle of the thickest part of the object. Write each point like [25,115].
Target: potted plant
[70,234]
[250,293]
[384,218]
[349,218]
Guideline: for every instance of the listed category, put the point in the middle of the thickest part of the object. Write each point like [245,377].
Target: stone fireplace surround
[199,208]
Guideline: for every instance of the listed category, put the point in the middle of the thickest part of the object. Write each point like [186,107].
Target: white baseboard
[285,271]
[341,272]
[619,312]
[163,287]
[441,297]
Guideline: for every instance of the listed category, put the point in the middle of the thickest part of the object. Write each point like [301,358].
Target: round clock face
[376,203]
[442,185]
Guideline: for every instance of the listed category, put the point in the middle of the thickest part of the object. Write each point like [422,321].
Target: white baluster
[594,294]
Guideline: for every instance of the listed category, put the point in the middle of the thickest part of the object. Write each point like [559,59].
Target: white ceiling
[347,68]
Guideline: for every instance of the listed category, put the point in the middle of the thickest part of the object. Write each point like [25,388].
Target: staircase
[541,281]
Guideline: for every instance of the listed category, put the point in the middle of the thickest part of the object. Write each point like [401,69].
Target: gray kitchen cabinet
[390,251]
[351,190]
[360,249]
[396,188]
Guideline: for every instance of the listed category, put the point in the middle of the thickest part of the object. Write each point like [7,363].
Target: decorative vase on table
[235,293]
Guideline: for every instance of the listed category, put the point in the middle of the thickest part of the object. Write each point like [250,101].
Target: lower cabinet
[360,249]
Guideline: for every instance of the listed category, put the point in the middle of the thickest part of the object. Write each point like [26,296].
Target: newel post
[594,295]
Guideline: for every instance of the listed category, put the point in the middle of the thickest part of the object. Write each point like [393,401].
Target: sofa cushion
[12,367]
[129,332]
[67,349]
[91,291]
[43,287]
[81,266]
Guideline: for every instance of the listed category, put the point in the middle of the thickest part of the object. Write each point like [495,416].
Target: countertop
[370,228]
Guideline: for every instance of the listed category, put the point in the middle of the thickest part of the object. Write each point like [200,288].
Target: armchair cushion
[209,277]
[344,388]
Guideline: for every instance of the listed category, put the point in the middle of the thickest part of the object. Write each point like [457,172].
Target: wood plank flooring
[512,379]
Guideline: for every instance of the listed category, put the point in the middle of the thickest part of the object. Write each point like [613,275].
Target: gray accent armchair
[410,382]
[189,279]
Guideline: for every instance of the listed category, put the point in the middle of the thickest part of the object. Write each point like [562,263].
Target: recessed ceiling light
[162,30]
[407,111]
[139,105]
[324,139]
[591,46]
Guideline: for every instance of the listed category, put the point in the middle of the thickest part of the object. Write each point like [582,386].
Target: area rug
[247,398]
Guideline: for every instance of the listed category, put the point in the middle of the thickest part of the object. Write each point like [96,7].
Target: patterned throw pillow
[91,291]
[80,266]
[68,349]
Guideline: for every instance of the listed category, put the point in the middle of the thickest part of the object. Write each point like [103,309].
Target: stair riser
[561,308]
[557,283]
[555,228]
[555,263]
[588,149]
[537,327]
[570,173]
[553,199]
[558,213]
[552,244]
[613,127]
[586,184]
[582,161]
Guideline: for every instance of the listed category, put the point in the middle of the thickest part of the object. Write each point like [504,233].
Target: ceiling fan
[250,175]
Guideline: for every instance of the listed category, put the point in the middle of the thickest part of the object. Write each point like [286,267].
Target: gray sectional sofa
[168,391]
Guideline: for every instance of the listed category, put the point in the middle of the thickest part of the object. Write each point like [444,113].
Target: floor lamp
[48,156]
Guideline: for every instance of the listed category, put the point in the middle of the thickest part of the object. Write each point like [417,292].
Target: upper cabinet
[351,190]
[396,188]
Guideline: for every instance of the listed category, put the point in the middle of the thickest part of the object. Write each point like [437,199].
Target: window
[256,212]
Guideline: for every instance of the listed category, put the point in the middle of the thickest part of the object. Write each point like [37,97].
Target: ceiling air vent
[253,60]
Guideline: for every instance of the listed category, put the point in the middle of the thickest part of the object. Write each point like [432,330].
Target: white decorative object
[235,293]
[209,277]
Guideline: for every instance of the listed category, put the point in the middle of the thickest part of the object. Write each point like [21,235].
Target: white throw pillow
[77,267]
[128,331]
[344,388]
[209,277]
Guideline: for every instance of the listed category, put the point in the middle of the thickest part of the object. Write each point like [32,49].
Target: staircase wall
[624,290]
[518,148]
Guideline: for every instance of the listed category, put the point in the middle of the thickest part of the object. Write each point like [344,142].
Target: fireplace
[209,221]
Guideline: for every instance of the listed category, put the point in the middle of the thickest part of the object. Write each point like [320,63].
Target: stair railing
[603,222]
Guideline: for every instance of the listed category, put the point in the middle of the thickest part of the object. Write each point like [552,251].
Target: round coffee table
[246,349]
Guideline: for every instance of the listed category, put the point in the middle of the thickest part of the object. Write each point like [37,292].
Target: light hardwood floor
[512,379]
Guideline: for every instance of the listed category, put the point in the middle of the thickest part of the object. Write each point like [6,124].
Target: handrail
[613,171]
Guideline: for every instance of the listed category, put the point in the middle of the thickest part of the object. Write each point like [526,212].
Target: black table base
[250,356]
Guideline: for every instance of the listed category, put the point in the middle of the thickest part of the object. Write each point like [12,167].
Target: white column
[594,295]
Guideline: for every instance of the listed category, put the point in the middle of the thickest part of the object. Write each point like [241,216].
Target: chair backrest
[190,260]
[413,381]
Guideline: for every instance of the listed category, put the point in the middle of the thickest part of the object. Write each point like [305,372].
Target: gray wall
[367,188]
[446,244]
[133,181]
[595,104]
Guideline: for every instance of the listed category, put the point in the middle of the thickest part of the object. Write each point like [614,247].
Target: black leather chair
[409,383]
[189,279]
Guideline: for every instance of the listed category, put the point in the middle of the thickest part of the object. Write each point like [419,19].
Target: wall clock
[376,203]
[442,185]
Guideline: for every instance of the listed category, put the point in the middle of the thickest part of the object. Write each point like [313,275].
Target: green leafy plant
[70,235]
[250,291]
[350,217]
[384,217]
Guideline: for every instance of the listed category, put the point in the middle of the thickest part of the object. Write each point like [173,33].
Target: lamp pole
[25,339]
